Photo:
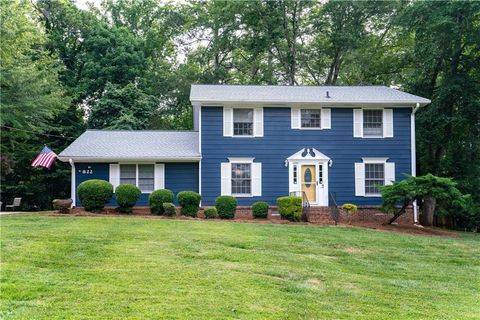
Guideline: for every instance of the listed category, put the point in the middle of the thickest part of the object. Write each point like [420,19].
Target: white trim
[240,160]
[159,176]
[374,160]
[357,123]
[227,119]
[114,175]
[258,122]
[288,103]
[73,189]
[132,159]
[137,176]
[200,151]
[387,123]
[413,156]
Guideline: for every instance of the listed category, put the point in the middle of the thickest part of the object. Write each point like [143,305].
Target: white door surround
[309,157]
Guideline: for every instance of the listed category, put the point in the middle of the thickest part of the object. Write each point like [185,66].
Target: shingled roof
[111,145]
[302,94]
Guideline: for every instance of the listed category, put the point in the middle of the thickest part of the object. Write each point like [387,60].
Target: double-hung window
[374,177]
[241,178]
[311,118]
[373,123]
[242,122]
[140,175]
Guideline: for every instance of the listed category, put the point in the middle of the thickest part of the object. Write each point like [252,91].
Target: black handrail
[334,212]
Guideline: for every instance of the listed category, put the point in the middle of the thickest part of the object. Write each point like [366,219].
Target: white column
[72,184]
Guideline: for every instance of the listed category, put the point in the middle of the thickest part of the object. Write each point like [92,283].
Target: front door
[309,182]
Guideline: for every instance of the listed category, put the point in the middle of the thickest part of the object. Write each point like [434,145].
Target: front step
[320,215]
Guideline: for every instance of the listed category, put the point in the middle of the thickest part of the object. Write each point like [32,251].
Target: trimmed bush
[169,209]
[94,194]
[290,208]
[127,195]
[157,198]
[350,208]
[226,206]
[190,202]
[210,213]
[260,209]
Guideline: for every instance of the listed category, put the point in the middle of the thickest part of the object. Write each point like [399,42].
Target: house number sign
[89,170]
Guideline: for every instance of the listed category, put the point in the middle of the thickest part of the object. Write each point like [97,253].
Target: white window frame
[296,117]
[242,161]
[155,177]
[376,136]
[387,123]
[228,120]
[226,177]
[388,175]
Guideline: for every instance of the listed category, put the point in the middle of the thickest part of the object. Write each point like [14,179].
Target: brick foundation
[316,215]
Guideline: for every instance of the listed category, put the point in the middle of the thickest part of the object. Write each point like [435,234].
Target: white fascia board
[397,103]
[130,159]
[374,160]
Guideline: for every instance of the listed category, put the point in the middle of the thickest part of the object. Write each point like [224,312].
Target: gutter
[72,183]
[414,157]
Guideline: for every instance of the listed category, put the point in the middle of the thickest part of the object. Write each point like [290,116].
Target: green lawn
[112,268]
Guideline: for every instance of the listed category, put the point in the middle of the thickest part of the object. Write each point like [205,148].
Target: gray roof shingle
[302,94]
[133,145]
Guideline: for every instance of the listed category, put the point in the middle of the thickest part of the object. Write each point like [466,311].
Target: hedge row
[94,194]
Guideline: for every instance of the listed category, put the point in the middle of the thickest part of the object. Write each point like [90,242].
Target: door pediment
[308,154]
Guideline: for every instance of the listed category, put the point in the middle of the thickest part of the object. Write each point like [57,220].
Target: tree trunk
[429,203]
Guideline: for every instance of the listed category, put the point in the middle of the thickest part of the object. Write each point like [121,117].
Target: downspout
[72,184]
[414,157]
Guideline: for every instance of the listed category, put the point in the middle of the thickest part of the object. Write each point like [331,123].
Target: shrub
[94,194]
[169,209]
[190,202]
[260,209]
[350,208]
[157,198]
[290,208]
[210,213]
[127,195]
[226,207]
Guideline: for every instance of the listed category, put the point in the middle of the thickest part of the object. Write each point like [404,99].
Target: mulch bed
[401,228]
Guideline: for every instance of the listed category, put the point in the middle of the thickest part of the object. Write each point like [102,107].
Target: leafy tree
[439,195]
[122,108]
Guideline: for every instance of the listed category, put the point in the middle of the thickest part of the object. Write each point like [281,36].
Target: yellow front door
[309,182]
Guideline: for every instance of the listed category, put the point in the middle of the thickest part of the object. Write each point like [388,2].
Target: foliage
[438,194]
[127,196]
[290,208]
[190,202]
[169,209]
[210,213]
[122,108]
[157,198]
[349,208]
[260,209]
[94,194]
[226,207]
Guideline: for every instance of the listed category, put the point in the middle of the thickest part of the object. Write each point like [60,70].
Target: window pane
[374,176]
[146,174]
[128,173]
[311,118]
[241,178]
[243,122]
[372,122]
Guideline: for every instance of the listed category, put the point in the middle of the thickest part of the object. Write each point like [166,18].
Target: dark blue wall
[280,142]
[178,177]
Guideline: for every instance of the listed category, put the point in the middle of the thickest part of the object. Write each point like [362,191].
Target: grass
[112,268]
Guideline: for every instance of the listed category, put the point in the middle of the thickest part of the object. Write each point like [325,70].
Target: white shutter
[295,117]
[159,176]
[388,123]
[227,122]
[389,173]
[256,179]
[357,123]
[258,122]
[114,175]
[359,179]
[326,119]
[226,180]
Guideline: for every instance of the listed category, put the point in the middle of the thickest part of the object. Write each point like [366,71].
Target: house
[258,143]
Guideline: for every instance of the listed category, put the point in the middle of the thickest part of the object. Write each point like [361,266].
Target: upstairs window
[241,179]
[311,118]
[243,122]
[373,123]
[374,177]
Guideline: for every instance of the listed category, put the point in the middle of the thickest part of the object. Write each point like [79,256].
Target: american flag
[45,158]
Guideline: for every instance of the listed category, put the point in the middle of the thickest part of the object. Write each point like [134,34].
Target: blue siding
[280,142]
[178,177]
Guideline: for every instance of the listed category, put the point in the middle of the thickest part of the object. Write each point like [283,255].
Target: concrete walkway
[4,213]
